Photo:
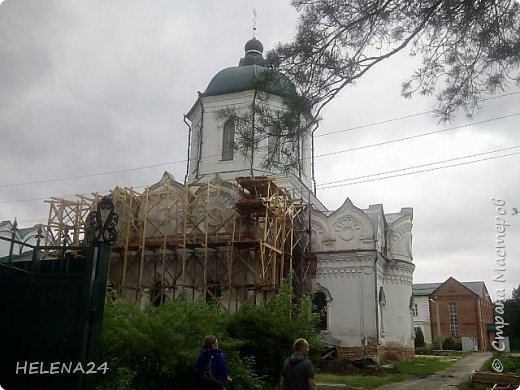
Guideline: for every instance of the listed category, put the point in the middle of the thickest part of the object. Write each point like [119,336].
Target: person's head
[301,346]
[210,342]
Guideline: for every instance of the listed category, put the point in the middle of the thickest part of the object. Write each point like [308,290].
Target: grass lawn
[362,381]
[421,366]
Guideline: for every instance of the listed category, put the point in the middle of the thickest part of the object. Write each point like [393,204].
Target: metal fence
[51,305]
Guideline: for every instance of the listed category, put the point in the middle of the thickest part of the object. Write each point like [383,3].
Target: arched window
[228,140]
[273,148]
[319,300]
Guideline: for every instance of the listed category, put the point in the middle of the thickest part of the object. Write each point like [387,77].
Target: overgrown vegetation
[156,348]
[451,344]
[511,362]
[421,366]
[511,310]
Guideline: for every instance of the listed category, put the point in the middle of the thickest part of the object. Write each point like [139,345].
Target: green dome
[245,78]
[250,73]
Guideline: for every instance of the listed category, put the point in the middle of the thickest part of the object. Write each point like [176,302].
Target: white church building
[364,257]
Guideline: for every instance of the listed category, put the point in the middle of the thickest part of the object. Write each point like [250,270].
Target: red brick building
[461,310]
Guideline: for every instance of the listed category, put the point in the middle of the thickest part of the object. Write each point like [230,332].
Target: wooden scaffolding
[219,241]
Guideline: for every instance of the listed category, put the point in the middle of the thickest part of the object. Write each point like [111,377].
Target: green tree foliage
[269,331]
[467,48]
[156,348]
[512,314]
[451,344]
[157,345]
[419,338]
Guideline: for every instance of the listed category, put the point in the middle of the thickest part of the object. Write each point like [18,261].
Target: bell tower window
[273,149]
[228,140]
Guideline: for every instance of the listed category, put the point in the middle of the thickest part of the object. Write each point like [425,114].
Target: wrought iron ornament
[101,225]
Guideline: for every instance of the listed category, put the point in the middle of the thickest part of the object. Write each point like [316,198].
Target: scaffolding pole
[227,242]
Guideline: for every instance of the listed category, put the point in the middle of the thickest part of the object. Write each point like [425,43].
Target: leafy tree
[512,314]
[467,48]
[269,331]
[156,348]
[516,294]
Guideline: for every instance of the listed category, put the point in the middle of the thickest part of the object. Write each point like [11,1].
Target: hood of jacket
[296,358]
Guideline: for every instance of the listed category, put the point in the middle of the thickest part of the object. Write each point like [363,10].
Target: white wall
[423,317]
[206,115]
[351,284]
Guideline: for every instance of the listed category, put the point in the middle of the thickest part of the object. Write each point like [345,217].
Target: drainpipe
[362,317]
[253,133]
[189,148]
[480,338]
[200,142]
[376,290]
[312,158]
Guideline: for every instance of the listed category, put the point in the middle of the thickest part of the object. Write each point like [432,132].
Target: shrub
[451,344]
[510,362]
[156,348]
[419,338]
[269,331]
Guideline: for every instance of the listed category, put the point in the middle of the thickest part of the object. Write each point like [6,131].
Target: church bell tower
[239,127]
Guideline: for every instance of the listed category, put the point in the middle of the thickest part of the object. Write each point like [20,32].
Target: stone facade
[364,263]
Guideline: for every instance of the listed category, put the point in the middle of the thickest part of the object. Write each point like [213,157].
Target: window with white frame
[415,310]
[454,318]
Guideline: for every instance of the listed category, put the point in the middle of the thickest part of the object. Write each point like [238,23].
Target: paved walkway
[446,379]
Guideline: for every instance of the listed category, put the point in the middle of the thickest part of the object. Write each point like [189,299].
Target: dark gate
[51,311]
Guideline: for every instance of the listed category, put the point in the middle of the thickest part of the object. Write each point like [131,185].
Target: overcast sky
[89,88]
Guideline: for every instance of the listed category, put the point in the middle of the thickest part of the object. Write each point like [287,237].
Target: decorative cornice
[339,273]
[398,279]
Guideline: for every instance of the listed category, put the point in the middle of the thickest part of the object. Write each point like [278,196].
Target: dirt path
[446,379]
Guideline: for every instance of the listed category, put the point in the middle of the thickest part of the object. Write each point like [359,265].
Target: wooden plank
[491,378]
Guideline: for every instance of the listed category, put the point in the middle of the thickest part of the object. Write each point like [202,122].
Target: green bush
[511,362]
[451,344]
[140,343]
[269,331]
[419,338]
[156,348]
